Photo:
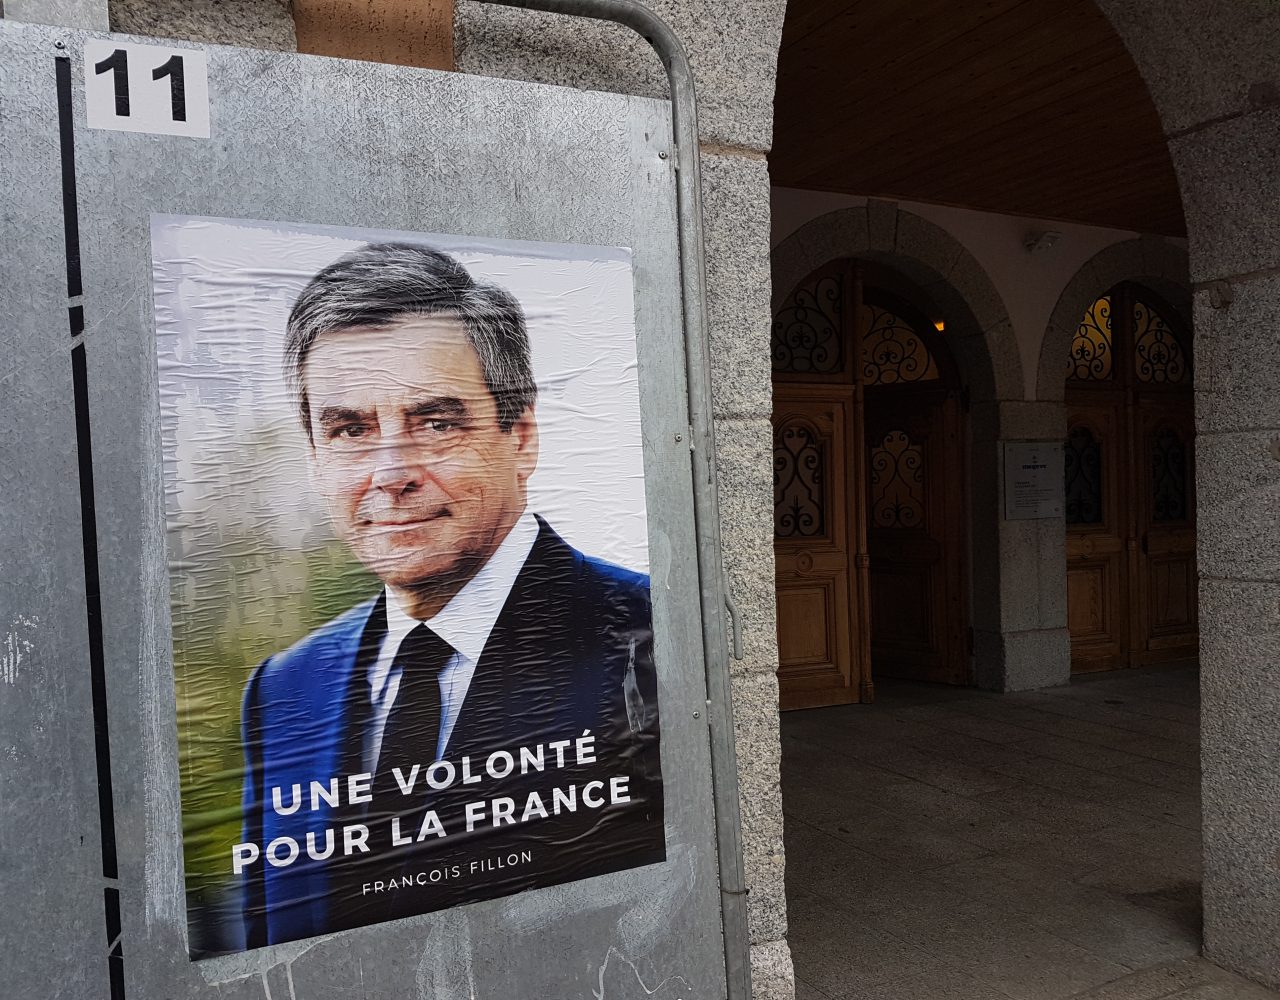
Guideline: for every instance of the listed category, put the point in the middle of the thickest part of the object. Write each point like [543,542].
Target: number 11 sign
[146,88]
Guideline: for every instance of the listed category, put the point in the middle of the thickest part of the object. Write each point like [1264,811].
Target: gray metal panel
[325,141]
[68,13]
[50,865]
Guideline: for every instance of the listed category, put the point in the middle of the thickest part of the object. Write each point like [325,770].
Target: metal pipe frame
[715,599]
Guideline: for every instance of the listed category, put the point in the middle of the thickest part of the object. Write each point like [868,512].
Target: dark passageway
[955,845]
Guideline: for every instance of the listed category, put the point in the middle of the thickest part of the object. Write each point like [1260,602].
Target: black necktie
[413,725]
[409,737]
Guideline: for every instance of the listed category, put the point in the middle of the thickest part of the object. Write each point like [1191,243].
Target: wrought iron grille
[799,478]
[1083,475]
[897,482]
[893,351]
[1091,352]
[806,331]
[1157,355]
[1168,476]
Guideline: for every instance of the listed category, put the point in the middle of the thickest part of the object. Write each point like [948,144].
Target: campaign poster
[412,628]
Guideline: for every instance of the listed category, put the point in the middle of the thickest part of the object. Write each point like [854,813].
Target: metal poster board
[348,650]
[1032,480]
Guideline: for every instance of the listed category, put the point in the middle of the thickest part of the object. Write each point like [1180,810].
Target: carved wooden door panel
[1166,618]
[1130,500]
[813,546]
[836,346]
[915,523]
[1097,536]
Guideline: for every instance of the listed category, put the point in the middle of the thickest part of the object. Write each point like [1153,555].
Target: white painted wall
[1029,283]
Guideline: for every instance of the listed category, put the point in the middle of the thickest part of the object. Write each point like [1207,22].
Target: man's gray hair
[382,282]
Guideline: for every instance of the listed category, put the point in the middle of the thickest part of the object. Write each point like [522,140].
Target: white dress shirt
[464,623]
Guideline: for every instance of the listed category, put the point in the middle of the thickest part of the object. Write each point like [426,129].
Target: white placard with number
[146,88]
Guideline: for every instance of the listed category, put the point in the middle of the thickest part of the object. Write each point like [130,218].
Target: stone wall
[255,24]
[1214,72]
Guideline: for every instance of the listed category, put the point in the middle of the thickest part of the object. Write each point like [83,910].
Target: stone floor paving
[949,844]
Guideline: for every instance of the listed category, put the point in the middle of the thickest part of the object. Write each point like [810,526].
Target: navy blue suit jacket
[571,652]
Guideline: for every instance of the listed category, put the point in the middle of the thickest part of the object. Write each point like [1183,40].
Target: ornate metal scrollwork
[897,482]
[799,476]
[893,352]
[1168,476]
[1157,355]
[806,331]
[1083,477]
[1091,351]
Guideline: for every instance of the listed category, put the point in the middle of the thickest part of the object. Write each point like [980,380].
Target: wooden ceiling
[1029,107]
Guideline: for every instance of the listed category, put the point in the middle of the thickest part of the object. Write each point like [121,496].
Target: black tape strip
[113,917]
[93,601]
[70,209]
[89,532]
[115,957]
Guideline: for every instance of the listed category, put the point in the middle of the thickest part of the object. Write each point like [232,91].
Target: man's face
[420,481]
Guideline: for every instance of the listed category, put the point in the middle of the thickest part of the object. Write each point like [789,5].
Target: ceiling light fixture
[1040,241]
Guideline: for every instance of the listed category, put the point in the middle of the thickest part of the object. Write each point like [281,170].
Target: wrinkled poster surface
[408,560]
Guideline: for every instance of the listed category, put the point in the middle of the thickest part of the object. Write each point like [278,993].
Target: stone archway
[1156,263]
[1212,71]
[1018,604]
[934,260]
[1123,583]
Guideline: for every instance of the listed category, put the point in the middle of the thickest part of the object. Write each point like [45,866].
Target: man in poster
[488,722]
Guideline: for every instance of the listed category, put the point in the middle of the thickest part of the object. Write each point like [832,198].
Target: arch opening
[924,146]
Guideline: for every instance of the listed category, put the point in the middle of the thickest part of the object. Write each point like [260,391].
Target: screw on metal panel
[662,154]
[679,437]
[59,45]
[697,715]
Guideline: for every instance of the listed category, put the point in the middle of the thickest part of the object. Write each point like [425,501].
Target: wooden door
[815,545]
[1166,622]
[1097,534]
[915,514]
[844,356]
[1130,501]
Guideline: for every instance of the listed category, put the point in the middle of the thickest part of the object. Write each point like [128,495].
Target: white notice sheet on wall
[1033,480]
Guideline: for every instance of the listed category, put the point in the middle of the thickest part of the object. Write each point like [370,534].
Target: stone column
[1020,640]
[1237,347]
[255,24]
[1214,72]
